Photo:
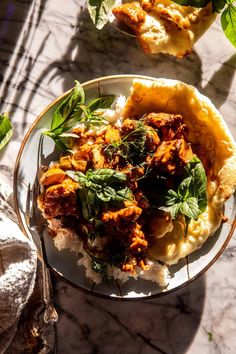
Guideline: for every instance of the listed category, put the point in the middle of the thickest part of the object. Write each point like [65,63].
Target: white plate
[64,263]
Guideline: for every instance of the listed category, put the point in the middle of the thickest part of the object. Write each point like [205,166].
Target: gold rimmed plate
[64,263]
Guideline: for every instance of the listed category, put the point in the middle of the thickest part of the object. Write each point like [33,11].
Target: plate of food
[136,185]
[165,26]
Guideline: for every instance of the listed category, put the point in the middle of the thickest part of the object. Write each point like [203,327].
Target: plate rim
[22,227]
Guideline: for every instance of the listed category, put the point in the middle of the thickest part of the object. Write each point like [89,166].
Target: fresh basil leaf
[100,11]
[191,199]
[124,194]
[91,201]
[96,120]
[77,176]
[183,190]
[228,22]
[73,175]
[191,164]
[58,140]
[87,197]
[106,194]
[171,198]
[189,207]
[193,3]
[85,204]
[60,144]
[93,186]
[63,119]
[86,112]
[5,130]
[104,176]
[101,103]
[198,184]
[88,203]
[173,210]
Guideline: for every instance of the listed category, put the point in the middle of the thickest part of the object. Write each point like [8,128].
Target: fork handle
[50,313]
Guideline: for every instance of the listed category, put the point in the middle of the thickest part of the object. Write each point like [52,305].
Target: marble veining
[44,46]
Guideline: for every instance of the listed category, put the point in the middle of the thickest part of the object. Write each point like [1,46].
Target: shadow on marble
[165,325]
[9,15]
[220,83]
[92,53]
[13,16]
[109,52]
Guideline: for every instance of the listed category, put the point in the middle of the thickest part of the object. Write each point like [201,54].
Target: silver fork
[35,224]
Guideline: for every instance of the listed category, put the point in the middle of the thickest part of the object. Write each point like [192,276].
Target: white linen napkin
[18,262]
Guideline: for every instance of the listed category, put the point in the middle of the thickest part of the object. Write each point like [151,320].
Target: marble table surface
[44,46]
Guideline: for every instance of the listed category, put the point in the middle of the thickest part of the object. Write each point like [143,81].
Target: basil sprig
[132,147]
[66,115]
[5,130]
[228,22]
[73,110]
[228,17]
[103,185]
[100,11]
[190,197]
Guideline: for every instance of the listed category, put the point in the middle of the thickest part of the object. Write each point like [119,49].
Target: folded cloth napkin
[18,260]
[17,276]
[21,323]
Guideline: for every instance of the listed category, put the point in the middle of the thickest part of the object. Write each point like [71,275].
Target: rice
[114,116]
[68,239]
[157,273]
[89,272]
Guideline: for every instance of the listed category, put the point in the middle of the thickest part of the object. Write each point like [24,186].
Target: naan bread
[162,26]
[211,140]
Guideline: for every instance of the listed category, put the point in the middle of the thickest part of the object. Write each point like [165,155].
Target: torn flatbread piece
[211,141]
[162,26]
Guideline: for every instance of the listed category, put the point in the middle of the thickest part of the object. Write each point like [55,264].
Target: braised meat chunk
[52,176]
[171,156]
[170,126]
[131,14]
[131,213]
[59,199]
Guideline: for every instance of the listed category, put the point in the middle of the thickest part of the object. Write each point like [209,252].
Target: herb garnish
[5,130]
[66,115]
[131,147]
[190,198]
[100,11]
[103,185]
[228,17]
[98,266]
[93,113]
[72,110]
